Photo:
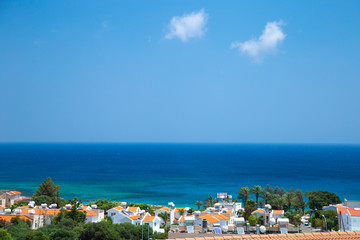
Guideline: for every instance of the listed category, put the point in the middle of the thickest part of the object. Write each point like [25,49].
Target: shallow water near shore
[181,173]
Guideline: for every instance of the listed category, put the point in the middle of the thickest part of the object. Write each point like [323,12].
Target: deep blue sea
[182,173]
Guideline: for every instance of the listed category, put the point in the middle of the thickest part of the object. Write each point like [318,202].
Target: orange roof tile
[354,212]
[118,208]
[7,218]
[90,213]
[40,211]
[132,209]
[209,218]
[294,236]
[229,210]
[16,192]
[26,198]
[164,208]
[148,218]
[278,212]
[134,217]
[181,219]
[259,210]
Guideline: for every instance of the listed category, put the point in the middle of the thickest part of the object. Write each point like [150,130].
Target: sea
[180,173]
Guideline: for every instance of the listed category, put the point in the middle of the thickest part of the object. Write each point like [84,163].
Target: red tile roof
[292,236]
[7,218]
[148,218]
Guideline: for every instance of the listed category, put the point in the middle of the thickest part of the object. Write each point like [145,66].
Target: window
[112,214]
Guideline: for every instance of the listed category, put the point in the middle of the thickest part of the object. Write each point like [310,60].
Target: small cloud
[188,26]
[267,43]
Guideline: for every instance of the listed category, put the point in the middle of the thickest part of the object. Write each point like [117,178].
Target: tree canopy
[319,199]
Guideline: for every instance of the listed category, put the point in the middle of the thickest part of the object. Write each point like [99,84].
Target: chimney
[123,205]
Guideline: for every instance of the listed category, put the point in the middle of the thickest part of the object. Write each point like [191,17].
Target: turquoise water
[182,173]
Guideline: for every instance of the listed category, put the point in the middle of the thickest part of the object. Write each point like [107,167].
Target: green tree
[250,206]
[257,190]
[331,219]
[267,197]
[277,190]
[19,231]
[252,220]
[244,194]
[36,235]
[63,234]
[77,216]
[261,203]
[99,231]
[277,202]
[269,189]
[199,204]
[282,191]
[164,216]
[4,235]
[210,201]
[289,199]
[319,199]
[48,193]
[299,195]
[181,211]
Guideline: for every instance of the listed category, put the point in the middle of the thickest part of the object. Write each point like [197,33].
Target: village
[224,218]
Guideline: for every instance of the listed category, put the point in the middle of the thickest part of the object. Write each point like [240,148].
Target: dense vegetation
[70,225]
[67,229]
[292,202]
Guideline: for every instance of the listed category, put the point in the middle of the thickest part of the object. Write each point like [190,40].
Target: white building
[348,215]
[154,222]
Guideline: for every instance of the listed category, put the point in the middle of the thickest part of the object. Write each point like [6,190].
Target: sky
[180,71]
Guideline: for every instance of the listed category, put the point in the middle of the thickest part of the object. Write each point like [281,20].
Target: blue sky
[180,71]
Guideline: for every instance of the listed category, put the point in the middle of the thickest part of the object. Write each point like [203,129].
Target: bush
[252,220]
[63,234]
[98,231]
[19,230]
[36,235]
[4,235]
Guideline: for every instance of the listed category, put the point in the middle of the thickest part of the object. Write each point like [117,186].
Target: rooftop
[294,236]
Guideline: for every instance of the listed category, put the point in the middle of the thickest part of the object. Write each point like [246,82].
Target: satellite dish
[262,229]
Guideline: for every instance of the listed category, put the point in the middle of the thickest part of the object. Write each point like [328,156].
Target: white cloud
[188,26]
[268,42]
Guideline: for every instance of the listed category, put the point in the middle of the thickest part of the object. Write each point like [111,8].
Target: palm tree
[257,190]
[289,199]
[199,204]
[210,201]
[165,217]
[277,201]
[261,203]
[181,211]
[244,194]
[267,197]
[269,189]
[302,205]
[299,195]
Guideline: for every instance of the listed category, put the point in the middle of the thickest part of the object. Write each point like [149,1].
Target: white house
[277,214]
[118,215]
[348,215]
[171,212]
[154,222]
[2,210]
